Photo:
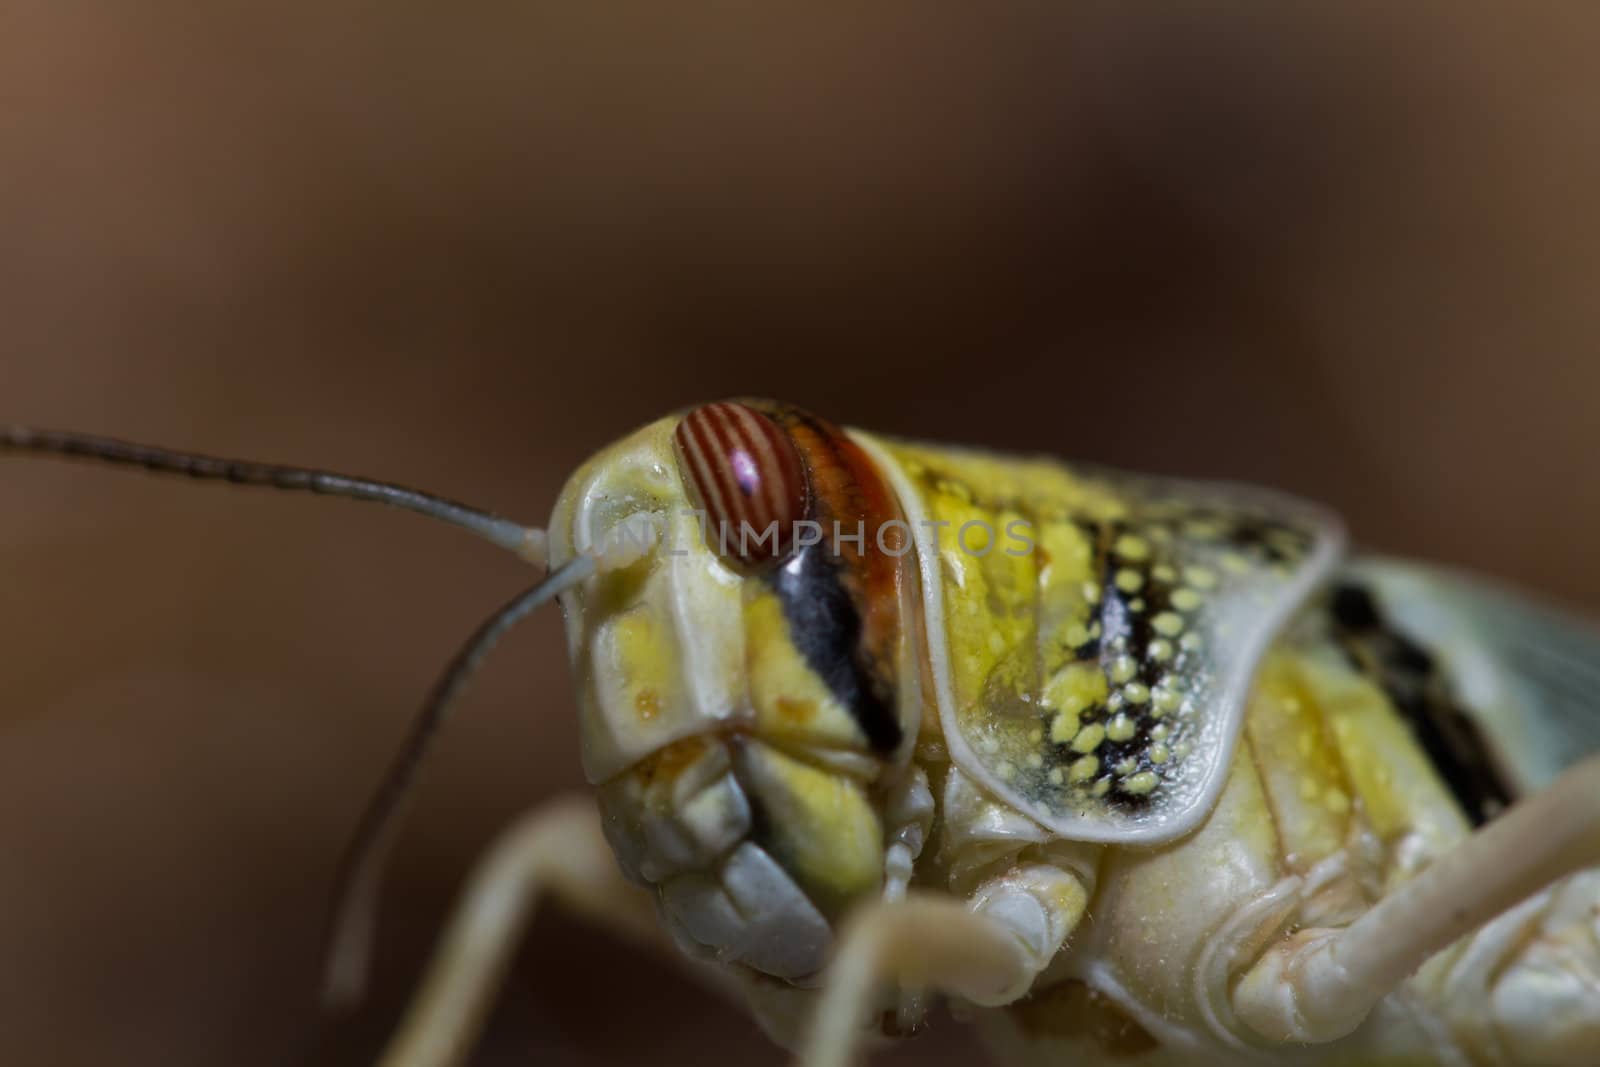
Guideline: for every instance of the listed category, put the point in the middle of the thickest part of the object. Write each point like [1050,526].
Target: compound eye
[747,477]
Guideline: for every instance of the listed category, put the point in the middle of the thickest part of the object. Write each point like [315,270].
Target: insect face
[745,708]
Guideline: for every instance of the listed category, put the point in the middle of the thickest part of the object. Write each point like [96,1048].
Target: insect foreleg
[1010,869]
[1039,904]
[923,940]
[557,850]
[1320,984]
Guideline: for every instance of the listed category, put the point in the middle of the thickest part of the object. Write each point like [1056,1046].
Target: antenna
[526,541]
[352,920]
[351,923]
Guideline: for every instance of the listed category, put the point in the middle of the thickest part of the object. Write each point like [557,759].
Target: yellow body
[1131,737]
[1091,662]
[1328,804]
[1326,799]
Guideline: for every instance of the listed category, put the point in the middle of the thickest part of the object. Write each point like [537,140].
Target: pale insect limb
[1320,984]
[557,850]
[355,908]
[1039,904]
[923,940]
[526,541]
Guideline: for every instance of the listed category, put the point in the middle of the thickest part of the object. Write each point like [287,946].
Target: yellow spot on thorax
[1167,624]
[1132,546]
[1141,783]
[647,703]
[1089,738]
[1076,687]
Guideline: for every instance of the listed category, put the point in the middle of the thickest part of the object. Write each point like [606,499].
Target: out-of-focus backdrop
[1354,253]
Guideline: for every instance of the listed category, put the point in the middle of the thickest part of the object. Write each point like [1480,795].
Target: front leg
[925,940]
[1038,904]
[1016,895]
[1016,873]
[557,850]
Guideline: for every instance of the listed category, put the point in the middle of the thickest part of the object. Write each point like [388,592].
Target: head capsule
[749,685]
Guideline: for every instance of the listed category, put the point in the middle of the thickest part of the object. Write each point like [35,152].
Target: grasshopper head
[748,695]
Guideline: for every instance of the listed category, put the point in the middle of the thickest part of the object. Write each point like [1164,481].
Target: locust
[1126,769]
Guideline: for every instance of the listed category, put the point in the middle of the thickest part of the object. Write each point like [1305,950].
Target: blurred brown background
[1351,253]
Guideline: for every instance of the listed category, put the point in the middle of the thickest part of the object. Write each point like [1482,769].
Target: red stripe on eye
[753,464]
[746,474]
[782,484]
[719,497]
[775,487]
[701,455]
[721,445]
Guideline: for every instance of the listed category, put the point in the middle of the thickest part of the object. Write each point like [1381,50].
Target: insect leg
[922,940]
[1544,993]
[1320,984]
[558,850]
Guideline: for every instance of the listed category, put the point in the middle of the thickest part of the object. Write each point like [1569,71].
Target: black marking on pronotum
[826,627]
[1139,634]
[1353,609]
[1418,689]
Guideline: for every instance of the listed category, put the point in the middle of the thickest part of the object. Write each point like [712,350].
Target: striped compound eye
[746,475]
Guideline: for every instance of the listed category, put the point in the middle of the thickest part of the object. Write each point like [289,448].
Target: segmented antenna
[352,920]
[527,542]
[351,924]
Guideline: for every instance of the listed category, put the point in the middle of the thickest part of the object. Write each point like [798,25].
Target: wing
[1092,668]
[1528,673]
